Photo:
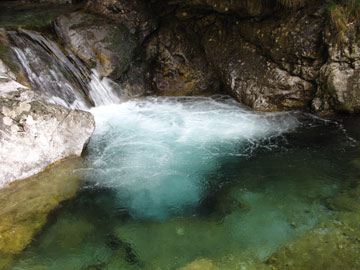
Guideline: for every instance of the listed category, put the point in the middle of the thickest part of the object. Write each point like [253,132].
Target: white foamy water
[158,152]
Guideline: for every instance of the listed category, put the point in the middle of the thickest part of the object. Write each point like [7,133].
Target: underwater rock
[186,236]
[199,264]
[25,205]
[329,246]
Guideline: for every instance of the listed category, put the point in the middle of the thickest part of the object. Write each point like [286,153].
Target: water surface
[172,180]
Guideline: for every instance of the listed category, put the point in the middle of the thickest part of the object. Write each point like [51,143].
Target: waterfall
[58,75]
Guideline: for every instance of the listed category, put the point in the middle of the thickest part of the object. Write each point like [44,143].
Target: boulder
[35,134]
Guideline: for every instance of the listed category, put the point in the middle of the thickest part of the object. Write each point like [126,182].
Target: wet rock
[101,43]
[180,66]
[26,204]
[35,134]
[136,15]
[250,77]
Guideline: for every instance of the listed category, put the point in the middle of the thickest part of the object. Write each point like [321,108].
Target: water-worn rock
[102,43]
[180,68]
[250,77]
[35,134]
[26,204]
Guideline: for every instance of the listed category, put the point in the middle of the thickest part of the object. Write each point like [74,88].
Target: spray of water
[158,152]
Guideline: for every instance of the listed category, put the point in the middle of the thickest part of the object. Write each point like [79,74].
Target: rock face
[35,134]
[180,68]
[265,56]
[107,46]
[136,15]
[253,79]
[339,82]
[100,43]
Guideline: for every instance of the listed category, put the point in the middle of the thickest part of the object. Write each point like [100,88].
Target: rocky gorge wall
[267,56]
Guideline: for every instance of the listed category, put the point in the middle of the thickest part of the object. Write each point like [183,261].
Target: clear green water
[172,180]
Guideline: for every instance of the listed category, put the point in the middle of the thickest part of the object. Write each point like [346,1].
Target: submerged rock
[26,204]
[329,246]
[199,264]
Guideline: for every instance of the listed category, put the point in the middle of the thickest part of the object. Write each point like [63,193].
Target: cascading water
[60,76]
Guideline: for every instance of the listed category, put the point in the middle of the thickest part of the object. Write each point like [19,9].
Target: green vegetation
[345,16]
